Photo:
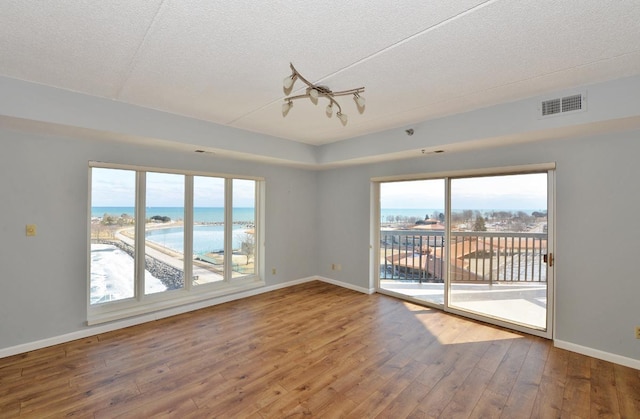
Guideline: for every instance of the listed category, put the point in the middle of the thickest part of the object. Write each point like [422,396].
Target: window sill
[212,295]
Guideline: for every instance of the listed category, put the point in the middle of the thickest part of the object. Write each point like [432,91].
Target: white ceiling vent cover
[561,105]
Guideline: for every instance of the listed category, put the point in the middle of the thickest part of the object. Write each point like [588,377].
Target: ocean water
[200,214]
[206,238]
[216,214]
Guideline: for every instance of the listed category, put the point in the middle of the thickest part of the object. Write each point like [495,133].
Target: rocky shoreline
[171,277]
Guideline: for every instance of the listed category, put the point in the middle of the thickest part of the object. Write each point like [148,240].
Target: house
[63,105]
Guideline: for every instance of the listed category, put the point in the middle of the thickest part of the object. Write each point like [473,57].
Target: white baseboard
[368,291]
[595,353]
[120,324]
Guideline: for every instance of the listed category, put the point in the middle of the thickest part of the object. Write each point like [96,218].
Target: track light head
[329,110]
[288,82]
[286,107]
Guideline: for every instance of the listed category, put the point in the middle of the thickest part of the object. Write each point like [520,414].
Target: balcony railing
[487,257]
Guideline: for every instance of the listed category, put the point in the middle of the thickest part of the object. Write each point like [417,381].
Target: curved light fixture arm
[322,91]
[348,92]
[313,86]
[295,74]
[307,95]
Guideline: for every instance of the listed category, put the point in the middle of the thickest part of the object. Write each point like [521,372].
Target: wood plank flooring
[314,350]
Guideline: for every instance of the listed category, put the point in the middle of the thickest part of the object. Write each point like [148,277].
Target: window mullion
[188,232]
[259,223]
[447,241]
[228,229]
[139,251]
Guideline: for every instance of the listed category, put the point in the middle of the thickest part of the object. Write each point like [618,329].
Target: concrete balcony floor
[522,303]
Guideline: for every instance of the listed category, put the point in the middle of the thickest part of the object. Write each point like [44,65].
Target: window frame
[142,303]
[374,270]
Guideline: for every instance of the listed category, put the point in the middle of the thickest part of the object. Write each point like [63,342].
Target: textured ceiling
[224,61]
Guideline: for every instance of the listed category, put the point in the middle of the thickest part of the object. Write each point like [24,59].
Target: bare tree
[248,245]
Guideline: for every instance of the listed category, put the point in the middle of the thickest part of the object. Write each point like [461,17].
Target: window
[113,228]
[143,224]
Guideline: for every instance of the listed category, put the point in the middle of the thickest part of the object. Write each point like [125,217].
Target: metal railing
[486,257]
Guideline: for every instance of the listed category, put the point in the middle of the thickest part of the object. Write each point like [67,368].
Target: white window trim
[493,171]
[143,304]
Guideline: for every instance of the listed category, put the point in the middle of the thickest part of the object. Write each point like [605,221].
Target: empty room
[319,209]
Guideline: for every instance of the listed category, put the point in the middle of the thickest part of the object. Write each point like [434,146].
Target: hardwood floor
[314,350]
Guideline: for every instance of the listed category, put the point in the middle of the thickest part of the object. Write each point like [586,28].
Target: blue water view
[200,214]
[206,238]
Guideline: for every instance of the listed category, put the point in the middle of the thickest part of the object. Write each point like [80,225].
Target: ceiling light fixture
[313,92]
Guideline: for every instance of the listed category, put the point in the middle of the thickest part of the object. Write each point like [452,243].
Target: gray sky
[528,192]
[513,192]
[116,188]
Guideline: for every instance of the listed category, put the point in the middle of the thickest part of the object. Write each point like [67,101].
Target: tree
[108,219]
[479,224]
[456,217]
[248,245]
[97,229]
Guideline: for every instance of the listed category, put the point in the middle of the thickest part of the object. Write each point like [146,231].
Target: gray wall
[315,219]
[597,228]
[44,181]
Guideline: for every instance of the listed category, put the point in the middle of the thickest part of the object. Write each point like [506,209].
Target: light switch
[31,229]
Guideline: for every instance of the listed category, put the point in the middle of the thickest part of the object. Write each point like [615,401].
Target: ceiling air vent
[572,103]
[561,105]
[551,107]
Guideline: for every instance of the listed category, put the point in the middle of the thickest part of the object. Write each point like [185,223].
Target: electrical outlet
[637,332]
[273,271]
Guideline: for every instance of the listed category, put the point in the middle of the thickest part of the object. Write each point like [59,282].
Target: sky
[116,188]
[509,192]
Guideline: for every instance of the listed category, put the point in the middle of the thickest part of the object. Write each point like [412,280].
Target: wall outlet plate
[31,230]
[637,332]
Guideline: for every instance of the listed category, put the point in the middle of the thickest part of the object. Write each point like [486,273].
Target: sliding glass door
[498,245]
[474,245]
